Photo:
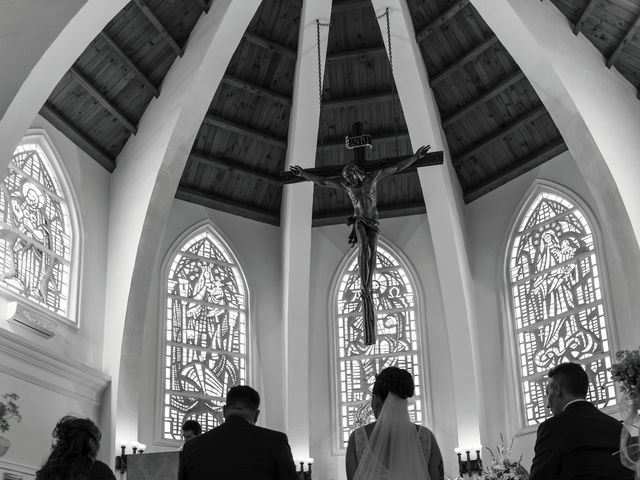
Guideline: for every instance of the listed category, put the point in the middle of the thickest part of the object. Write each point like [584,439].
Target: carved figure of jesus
[360,185]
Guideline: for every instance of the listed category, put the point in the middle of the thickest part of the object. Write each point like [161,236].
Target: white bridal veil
[393,451]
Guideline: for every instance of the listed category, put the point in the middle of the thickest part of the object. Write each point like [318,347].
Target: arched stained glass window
[398,339]
[35,231]
[206,332]
[557,302]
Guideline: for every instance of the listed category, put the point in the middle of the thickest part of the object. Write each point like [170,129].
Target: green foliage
[627,372]
[9,410]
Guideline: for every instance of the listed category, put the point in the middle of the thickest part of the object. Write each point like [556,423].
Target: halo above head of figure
[33,194]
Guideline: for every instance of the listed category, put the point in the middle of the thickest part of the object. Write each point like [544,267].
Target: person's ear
[224,411]
[255,420]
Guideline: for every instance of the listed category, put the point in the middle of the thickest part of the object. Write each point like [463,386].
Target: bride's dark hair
[74,452]
[395,380]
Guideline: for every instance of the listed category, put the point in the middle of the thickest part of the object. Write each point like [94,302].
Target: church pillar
[443,200]
[142,191]
[40,42]
[297,204]
[595,109]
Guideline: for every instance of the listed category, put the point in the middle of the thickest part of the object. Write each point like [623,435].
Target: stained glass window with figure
[398,339]
[206,332]
[555,285]
[35,231]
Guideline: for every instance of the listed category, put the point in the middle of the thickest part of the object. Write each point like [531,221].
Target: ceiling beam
[584,16]
[359,100]
[142,5]
[255,89]
[466,58]
[129,63]
[441,19]
[79,138]
[222,162]
[384,211]
[512,126]
[271,45]
[102,100]
[227,205]
[538,158]
[246,131]
[355,54]
[623,43]
[348,5]
[485,97]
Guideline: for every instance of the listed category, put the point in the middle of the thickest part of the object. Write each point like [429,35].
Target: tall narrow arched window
[205,342]
[555,282]
[36,237]
[398,339]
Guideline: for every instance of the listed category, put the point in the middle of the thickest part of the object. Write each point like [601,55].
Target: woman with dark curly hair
[73,455]
[392,447]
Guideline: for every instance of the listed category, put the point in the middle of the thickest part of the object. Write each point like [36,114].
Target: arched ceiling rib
[494,122]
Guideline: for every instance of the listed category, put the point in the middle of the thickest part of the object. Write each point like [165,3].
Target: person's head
[390,380]
[77,436]
[567,382]
[242,401]
[190,429]
[76,442]
[353,174]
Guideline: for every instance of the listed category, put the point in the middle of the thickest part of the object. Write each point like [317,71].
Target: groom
[579,441]
[238,449]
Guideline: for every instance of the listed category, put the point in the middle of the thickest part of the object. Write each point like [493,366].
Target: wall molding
[27,361]
[17,470]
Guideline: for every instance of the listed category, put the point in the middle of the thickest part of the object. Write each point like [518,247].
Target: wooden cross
[359,181]
[359,158]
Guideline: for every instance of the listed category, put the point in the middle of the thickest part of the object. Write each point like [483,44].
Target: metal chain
[394,106]
[320,89]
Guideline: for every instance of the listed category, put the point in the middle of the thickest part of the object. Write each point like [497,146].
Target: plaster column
[142,192]
[443,199]
[595,109]
[40,41]
[297,204]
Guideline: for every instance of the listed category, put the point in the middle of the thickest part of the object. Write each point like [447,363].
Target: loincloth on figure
[355,221]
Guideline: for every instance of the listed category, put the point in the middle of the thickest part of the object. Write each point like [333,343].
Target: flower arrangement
[9,410]
[627,372]
[502,467]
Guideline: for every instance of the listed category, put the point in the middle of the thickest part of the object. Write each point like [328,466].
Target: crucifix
[359,180]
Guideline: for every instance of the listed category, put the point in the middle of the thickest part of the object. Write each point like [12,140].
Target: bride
[393,448]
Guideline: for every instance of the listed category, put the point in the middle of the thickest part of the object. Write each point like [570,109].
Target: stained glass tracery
[398,342]
[35,231]
[206,333]
[557,301]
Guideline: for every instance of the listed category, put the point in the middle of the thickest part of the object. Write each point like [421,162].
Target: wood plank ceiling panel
[480,96]
[243,114]
[611,27]
[141,42]
[103,96]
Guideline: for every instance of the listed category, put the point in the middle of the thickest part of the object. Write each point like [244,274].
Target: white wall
[329,247]
[61,375]
[489,219]
[257,248]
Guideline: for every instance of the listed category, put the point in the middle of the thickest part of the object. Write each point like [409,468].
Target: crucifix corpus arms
[360,185]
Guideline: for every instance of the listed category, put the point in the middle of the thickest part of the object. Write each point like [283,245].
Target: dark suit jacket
[237,450]
[580,443]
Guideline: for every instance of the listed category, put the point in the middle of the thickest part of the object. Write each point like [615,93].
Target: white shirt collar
[575,401]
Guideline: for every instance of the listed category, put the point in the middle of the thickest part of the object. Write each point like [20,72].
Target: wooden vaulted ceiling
[612,27]
[495,124]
